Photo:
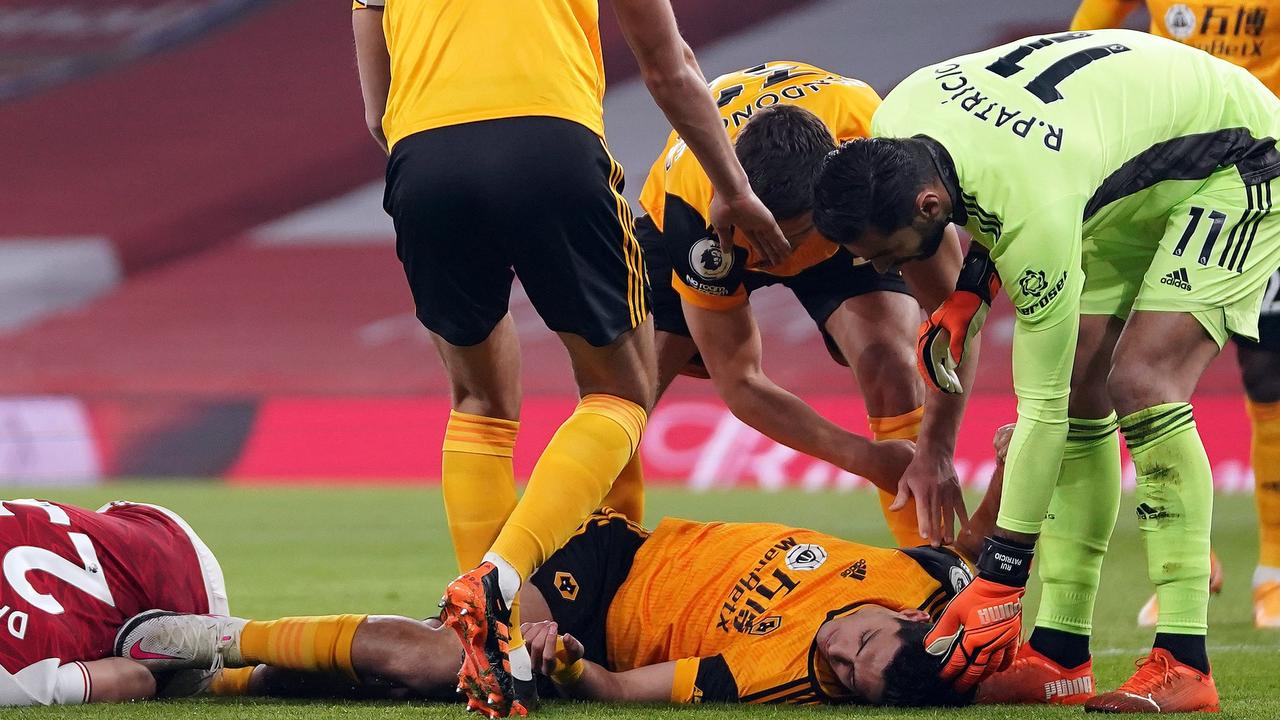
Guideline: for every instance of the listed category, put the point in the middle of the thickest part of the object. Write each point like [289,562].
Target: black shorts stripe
[1253,231]
[630,246]
[1234,243]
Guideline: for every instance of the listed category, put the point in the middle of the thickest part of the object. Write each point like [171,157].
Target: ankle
[508,579]
[1070,650]
[1186,649]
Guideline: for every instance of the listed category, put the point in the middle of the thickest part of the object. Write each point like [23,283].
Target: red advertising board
[691,441]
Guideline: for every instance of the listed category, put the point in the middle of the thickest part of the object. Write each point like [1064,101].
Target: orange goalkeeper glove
[945,338]
[979,632]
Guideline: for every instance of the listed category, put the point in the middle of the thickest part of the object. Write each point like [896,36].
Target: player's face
[885,252]
[860,647]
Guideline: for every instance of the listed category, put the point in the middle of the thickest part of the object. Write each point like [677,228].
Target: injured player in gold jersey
[690,612]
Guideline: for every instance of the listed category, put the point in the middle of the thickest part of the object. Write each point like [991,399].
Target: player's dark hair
[782,148]
[912,677]
[870,183]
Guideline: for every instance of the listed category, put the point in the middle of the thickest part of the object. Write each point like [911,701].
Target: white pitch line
[1111,652]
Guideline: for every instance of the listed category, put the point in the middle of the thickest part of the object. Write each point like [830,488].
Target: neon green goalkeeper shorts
[1217,249]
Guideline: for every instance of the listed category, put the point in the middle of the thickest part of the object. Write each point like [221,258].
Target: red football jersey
[69,578]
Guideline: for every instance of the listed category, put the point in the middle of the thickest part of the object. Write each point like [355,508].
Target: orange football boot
[1149,615]
[1161,685]
[474,609]
[1034,678]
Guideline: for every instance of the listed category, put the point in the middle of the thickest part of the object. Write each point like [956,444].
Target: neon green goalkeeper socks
[1078,525]
[1175,510]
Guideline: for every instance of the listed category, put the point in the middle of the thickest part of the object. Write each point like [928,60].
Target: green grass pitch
[332,550]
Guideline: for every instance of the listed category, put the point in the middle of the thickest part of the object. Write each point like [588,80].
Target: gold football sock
[902,523]
[569,481]
[232,681]
[313,644]
[1266,479]
[477,481]
[627,494]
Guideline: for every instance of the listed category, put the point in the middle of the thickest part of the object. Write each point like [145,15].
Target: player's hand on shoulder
[748,215]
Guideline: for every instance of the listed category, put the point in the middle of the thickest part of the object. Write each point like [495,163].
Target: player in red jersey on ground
[70,579]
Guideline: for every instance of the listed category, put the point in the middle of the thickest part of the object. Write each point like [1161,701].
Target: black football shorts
[538,198]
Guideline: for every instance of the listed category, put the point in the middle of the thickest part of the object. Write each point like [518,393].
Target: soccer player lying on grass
[691,612]
[72,577]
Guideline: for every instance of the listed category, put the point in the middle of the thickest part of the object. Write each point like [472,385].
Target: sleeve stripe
[88,681]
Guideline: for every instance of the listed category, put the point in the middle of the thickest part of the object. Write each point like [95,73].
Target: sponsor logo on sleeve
[1035,286]
[1033,283]
[1180,21]
[709,260]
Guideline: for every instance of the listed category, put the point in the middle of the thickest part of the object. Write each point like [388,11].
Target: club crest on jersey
[567,585]
[764,626]
[960,577]
[806,557]
[709,260]
[1033,282]
[1180,21]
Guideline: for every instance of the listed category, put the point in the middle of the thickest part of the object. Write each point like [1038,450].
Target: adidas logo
[857,571]
[1071,686]
[1178,278]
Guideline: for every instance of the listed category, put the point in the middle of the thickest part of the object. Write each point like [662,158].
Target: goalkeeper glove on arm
[979,632]
[945,337]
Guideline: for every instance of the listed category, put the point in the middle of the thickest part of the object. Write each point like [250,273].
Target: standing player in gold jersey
[491,112]
[784,117]
[1247,33]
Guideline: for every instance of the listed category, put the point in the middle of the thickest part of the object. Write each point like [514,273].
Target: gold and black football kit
[685,258]
[499,168]
[736,605]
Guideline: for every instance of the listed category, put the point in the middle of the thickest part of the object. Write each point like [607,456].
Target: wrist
[1007,562]
[568,674]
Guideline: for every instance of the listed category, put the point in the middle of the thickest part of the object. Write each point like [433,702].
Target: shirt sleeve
[699,680]
[361,4]
[1102,14]
[704,273]
[47,682]
[1040,267]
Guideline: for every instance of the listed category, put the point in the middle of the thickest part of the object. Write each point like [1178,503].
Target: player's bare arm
[375,68]
[560,657]
[729,341]
[673,77]
[118,680]
[983,521]
[931,478]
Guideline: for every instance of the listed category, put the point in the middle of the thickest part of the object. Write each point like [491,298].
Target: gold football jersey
[460,61]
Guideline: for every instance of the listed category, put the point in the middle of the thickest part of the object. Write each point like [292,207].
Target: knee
[1133,386]
[889,382]
[486,402]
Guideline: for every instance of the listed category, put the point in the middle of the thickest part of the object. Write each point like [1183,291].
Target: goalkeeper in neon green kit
[1119,187]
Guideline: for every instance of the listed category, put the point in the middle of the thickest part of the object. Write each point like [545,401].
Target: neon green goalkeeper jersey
[1079,156]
